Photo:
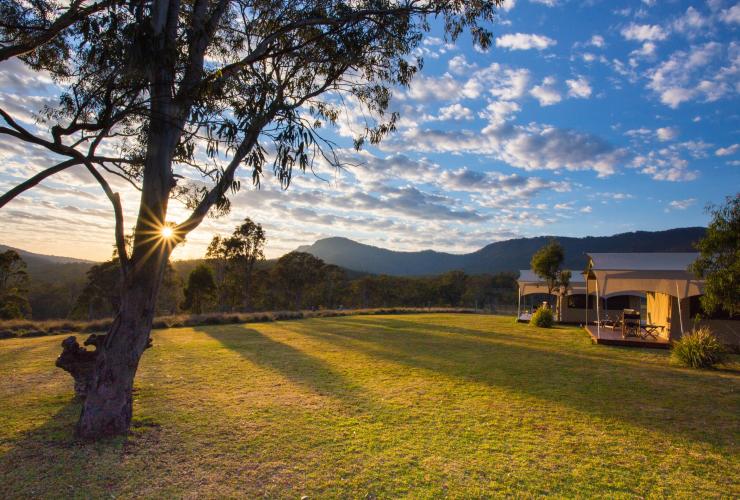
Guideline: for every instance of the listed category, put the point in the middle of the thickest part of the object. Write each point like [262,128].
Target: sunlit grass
[386,406]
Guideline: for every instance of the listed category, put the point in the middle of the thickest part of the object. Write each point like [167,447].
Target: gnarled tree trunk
[108,406]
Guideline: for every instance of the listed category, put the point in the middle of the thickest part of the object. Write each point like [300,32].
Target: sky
[582,118]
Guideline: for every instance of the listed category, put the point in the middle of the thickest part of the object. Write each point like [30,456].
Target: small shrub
[543,318]
[698,349]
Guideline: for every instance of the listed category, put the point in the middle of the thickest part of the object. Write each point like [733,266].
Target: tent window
[577,301]
[619,302]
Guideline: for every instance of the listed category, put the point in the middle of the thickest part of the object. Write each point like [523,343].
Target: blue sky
[583,118]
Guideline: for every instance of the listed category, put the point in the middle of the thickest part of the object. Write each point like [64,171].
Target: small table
[652,331]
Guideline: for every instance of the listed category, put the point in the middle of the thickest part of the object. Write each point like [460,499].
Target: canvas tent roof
[642,272]
[529,282]
[656,261]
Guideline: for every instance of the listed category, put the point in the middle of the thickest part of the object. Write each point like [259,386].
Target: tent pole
[519,304]
[680,316]
[598,315]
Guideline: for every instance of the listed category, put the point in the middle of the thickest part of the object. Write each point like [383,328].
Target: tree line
[234,276]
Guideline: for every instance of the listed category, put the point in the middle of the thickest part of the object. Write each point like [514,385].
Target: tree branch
[33,181]
[63,22]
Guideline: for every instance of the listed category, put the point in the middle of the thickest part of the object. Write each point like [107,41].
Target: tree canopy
[201,289]
[174,96]
[719,259]
[234,258]
[13,286]
[546,263]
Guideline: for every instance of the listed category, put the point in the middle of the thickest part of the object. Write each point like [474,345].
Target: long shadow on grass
[295,365]
[700,408]
[47,461]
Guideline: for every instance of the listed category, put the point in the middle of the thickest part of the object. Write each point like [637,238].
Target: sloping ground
[379,406]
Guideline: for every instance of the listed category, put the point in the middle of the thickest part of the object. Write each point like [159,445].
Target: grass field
[377,407]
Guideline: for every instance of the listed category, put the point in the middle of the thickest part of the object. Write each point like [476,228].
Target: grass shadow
[664,399]
[304,370]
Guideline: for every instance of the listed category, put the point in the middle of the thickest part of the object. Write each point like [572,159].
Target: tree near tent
[148,89]
[546,263]
[236,255]
[719,259]
[13,286]
[563,287]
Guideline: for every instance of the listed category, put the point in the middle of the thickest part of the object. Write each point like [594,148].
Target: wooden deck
[607,336]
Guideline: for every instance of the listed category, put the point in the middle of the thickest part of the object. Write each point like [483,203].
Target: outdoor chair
[630,323]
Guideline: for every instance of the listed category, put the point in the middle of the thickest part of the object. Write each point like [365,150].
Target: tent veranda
[529,284]
[663,277]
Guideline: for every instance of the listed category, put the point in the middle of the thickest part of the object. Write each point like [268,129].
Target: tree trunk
[108,407]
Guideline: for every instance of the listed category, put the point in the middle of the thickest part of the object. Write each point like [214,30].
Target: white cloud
[665,165]
[524,41]
[546,93]
[549,3]
[667,133]
[731,15]
[646,50]
[728,151]
[579,88]
[700,72]
[682,204]
[597,41]
[691,22]
[497,112]
[644,32]
[586,210]
[531,147]
[459,65]
[454,112]
[427,88]
[508,5]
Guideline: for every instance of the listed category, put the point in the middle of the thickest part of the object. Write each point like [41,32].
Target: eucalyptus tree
[719,259]
[13,286]
[174,96]
[237,254]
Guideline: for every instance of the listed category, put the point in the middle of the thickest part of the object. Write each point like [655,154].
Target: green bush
[543,318]
[698,349]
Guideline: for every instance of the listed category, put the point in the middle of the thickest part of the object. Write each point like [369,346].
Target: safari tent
[663,278]
[533,291]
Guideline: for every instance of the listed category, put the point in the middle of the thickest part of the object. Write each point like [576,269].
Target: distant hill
[509,255]
[52,268]
[30,256]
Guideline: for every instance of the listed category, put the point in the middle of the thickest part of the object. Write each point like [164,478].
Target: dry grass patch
[392,406]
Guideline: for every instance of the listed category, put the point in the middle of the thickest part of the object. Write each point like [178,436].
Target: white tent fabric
[530,283]
[640,272]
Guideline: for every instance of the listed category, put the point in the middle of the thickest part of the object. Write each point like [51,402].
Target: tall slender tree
[236,256]
[167,94]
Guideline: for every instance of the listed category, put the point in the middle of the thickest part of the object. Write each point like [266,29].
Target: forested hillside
[502,256]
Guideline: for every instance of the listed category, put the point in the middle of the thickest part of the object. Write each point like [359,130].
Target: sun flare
[167,232]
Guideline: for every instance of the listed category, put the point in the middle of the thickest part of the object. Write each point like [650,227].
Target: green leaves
[719,260]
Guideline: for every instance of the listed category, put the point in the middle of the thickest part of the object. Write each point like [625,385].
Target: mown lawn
[377,407]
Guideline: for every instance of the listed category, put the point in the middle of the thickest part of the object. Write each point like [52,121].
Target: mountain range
[501,256]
